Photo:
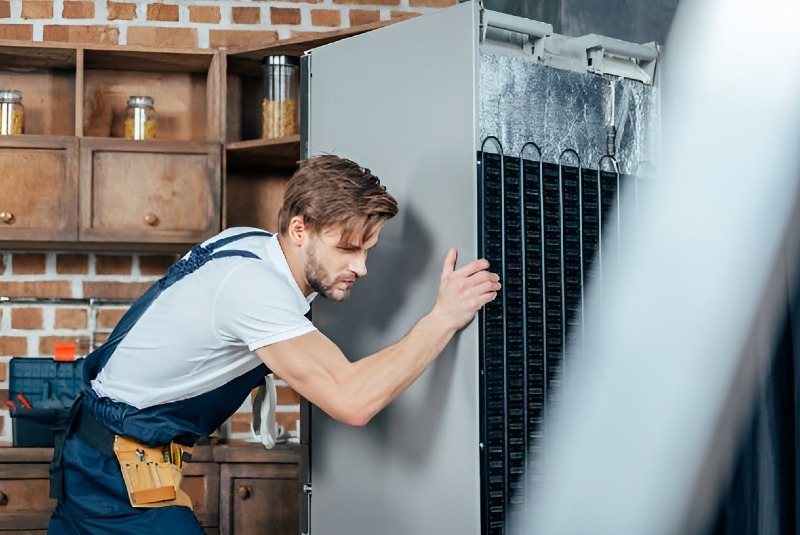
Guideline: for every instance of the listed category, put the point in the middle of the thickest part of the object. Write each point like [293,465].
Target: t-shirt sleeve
[258,306]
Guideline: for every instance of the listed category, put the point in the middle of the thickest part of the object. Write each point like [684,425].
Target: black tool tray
[50,387]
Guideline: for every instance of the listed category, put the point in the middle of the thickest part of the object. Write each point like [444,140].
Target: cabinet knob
[3,498]
[243,491]
[151,219]
[7,218]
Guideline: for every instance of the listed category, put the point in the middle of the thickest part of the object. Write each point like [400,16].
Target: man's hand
[462,292]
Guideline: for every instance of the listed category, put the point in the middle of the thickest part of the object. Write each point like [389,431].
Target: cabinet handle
[7,218]
[151,219]
[3,498]
[243,491]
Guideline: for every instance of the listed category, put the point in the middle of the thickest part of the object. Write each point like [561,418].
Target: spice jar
[12,114]
[279,106]
[140,118]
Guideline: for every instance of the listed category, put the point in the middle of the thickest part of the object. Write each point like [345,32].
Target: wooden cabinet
[24,489]
[259,496]
[39,181]
[235,490]
[72,177]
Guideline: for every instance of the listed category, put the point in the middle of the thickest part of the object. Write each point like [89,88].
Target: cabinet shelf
[277,152]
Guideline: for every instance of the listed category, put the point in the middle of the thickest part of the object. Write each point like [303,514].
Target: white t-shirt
[202,331]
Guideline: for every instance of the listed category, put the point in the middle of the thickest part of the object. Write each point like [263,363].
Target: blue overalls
[92,495]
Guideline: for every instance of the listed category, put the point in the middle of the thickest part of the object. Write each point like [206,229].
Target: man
[187,354]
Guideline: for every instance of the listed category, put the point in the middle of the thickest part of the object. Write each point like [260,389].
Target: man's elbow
[354,416]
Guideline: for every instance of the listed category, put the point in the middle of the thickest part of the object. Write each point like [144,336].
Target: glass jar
[279,106]
[12,114]
[140,118]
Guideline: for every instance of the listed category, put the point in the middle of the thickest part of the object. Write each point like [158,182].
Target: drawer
[24,501]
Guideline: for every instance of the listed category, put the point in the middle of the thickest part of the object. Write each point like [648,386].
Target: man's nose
[359,265]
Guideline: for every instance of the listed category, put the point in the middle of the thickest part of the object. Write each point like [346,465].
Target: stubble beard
[316,275]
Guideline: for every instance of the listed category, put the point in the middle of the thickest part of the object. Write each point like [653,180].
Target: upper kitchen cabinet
[162,190]
[75,176]
[258,167]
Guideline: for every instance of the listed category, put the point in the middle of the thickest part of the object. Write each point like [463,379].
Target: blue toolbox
[41,392]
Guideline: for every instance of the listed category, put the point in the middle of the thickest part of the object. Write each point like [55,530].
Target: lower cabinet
[234,489]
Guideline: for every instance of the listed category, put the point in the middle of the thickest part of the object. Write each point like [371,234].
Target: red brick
[72,264]
[47,344]
[37,9]
[37,289]
[113,264]
[114,289]
[2,257]
[108,318]
[78,9]
[369,2]
[99,339]
[71,318]
[3,397]
[288,419]
[5,9]
[2,426]
[284,15]
[402,15]
[163,12]
[102,35]
[246,15]
[19,32]
[28,264]
[364,16]
[432,3]
[13,346]
[156,264]
[240,422]
[161,36]
[209,14]
[287,396]
[218,38]
[326,17]
[3,371]
[27,318]
[121,10]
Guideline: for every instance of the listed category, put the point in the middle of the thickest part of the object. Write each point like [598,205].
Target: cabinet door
[201,483]
[260,499]
[24,501]
[149,191]
[38,188]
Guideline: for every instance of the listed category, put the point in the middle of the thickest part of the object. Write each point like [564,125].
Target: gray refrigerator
[508,142]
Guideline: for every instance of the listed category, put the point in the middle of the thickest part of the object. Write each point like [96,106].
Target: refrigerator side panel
[401,101]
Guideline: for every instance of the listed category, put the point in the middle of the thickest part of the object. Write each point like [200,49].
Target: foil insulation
[522,101]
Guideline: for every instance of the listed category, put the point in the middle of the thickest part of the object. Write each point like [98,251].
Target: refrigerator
[505,141]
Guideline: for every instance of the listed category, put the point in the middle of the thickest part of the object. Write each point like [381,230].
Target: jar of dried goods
[279,105]
[140,118]
[12,114]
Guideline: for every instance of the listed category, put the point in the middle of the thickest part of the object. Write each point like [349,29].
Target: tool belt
[152,475]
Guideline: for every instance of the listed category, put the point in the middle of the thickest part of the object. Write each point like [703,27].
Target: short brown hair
[331,191]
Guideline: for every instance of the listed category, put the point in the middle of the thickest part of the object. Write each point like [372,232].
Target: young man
[189,352]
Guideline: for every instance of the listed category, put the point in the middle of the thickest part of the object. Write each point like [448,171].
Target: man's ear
[297,230]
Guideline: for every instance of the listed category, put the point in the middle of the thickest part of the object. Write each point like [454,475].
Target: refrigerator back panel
[555,147]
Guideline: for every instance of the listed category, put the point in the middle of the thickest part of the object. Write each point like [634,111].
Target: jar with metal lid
[280,108]
[12,114]
[140,118]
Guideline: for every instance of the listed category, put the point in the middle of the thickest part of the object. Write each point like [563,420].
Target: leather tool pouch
[151,480]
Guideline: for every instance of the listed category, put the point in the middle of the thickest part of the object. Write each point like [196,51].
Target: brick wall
[194,23]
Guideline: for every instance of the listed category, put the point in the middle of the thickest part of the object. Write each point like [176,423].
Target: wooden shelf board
[21,55]
[241,59]
[148,60]
[278,152]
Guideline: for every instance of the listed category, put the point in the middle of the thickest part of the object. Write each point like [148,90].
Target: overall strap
[198,256]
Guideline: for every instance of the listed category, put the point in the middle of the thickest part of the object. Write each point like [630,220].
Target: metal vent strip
[492,342]
[541,227]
